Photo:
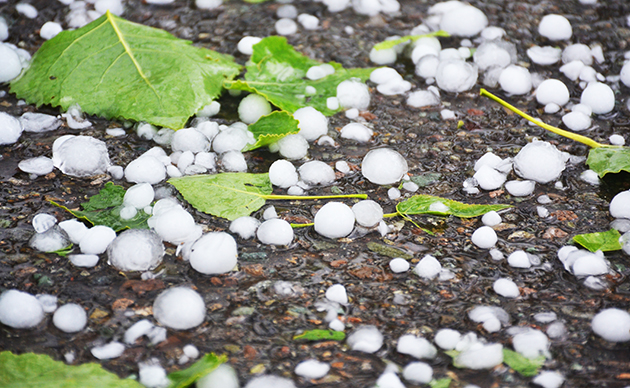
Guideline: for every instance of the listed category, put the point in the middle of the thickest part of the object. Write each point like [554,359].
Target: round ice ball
[139,196]
[353,94]
[147,169]
[246,44]
[293,147]
[312,123]
[189,139]
[552,91]
[11,128]
[600,97]
[367,213]
[214,253]
[136,250]
[612,325]
[179,308]
[81,156]
[456,75]
[275,232]
[620,205]
[70,318]
[316,172]
[96,240]
[20,310]
[384,166]
[515,79]
[253,107]
[334,220]
[282,173]
[464,21]
[484,237]
[625,74]
[539,161]
[366,339]
[11,64]
[555,27]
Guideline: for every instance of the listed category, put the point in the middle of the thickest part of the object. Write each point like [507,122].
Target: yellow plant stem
[295,226]
[390,215]
[570,135]
[304,197]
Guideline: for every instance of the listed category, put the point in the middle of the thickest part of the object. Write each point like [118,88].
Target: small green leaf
[603,160]
[440,383]
[320,335]
[600,241]
[277,72]
[104,209]
[271,128]
[452,353]
[31,370]
[409,38]
[523,365]
[428,204]
[65,251]
[206,364]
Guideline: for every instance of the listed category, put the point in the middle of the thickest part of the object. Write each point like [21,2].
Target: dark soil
[246,320]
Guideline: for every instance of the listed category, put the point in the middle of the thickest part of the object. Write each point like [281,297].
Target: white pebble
[555,27]
[179,308]
[506,287]
[70,318]
[275,232]
[334,220]
[20,310]
[484,237]
[367,339]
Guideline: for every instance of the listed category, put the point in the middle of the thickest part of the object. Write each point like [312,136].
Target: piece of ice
[545,317]
[70,318]
[39,122]
[75,230]
[233,161]
[136,250]
[418,372]
[620,205]
[334,220]
[357,132]
[577,52]
[275,232]
[455,75]
[48,302]
[384,166]
[366,339]
[389,379]
[466,21]
[546,55]
[312,369]
[213,253]
[531,344]
[539,161]
[337,293]
[590,177]
[484,237]
[428,267]
[491,218]
[447,339]
[97,239]
[417,347]
[589,264]
[234,138]
[152,375]
[20,310]
[137,330]
[270,381]
[223,376]
[4,29]
[576,121]
[556,330]
[245,227]
[617,140]
[384,56]
[316,172]
[549,379]
[179,308]
[27,10]
[286,26]
[287,11]
[506,287]
[519,259]
[43,222]
[282,173]
[516,80]
[208,4]
[555,27]
[252,107]
[520,188]
[139,196]
[81,156]
[496,254]
[83,260]
[490,54]
[399,265]
[293,147]
[485,356]
[173,223]
[422,98]
[309,22]
[552,90]
[320,71]
[367,213]
[600,97]
[353,93]
[145,169]
[54,239]
[189,139]
[109,351]
[312,123]
[489,178]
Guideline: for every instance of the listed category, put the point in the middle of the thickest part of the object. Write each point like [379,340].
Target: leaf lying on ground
[440,383]
[277,72]
[428,204]
[64,252]
[320,335]
[206,364]
[234,195]
[600,241]
[409,38]
[115,68]
[525,366]
[31,370]
[271,128]
[104,209]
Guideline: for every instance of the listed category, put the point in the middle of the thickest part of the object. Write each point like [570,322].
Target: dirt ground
[250,323]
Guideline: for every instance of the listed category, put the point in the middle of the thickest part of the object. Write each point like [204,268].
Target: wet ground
[252,325]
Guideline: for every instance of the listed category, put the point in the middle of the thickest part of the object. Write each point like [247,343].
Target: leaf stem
[305,197]
[570,135]
[295,226]
[390,215]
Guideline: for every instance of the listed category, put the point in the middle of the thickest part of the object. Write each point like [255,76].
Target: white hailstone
[367,339]
[137,330]
[384,166]
[337,293]
[519,259]
[555,27]
[612,324]
[450,54]
[620,205]
[245,227]
[492,33]
[456,75]
[531,343]
[399,265]
[286,26]
[394,87]
[572,69]
[506,287]
[546,55]
[494,161]
[624,74]
[312,369]
[287,11]
[48,302]
[293,147]
[422,50]
[484,237]
[490,54]
[147,169]
[520,188]
[393,193]
[49,30]
[316,172]
[383,75]
[207,160]
[234,138]
[489,178]
[539,161]
[139,196]
[191,351]
[384,56]
[353,93]
[367,213]
[411,186]
[253,107]
[417,347]
[39,122]
[352,114]
[275,232]
[309,22]
[549,379]
[515,79]
[492,317]
[109,351]
[208,4]
[357,132]
[179,308]
[152,375]
[27,10]
[485,356]
[213,253]
[418,372]
[20,310]
[617,140]
[146,131]
[427,66]
[552,90]
[282,173]
[270,381]
[319,71]
[4,29]
[172,223]
[81,156]
[577,52]
[208,111]
[428,268]
[52,240]
[312,123]
[234,161]
[75,230]
[97,239]
[422,98]
[223,376]
[589,264]
[491,218]
[447,339]
[600,97]
[332,103]
[496,254]
[189,139]
[342,166]
[590,177]
[552,108]
[337,325]
[466,21]
[43,222]
[576,121]
[70,318]
[136,250]
[389,379]
[113,6]
[334,220]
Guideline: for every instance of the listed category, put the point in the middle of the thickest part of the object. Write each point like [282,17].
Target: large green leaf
[227,195]
[600,241]
[525,366]
[104,209]
[428,204]
[205,365]
[277,72]
[603,160]
[271,128]
[31,370]
[118,69]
